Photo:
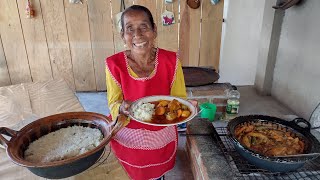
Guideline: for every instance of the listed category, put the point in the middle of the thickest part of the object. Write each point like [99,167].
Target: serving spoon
[121,121]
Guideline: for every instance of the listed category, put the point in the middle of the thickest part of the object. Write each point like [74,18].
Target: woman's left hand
[124,107]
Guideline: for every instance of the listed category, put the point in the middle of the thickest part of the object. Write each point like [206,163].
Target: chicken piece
[239,130]
[184,107]
[277,135]
[246,141]
[174,105]
[245,128]
[258,135]
[171,116]
[163,103]
[185,113]
[277,151]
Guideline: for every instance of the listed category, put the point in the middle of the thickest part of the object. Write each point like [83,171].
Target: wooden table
[35,100]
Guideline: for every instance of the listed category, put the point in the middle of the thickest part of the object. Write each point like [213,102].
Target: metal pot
[20,140]
[277,164]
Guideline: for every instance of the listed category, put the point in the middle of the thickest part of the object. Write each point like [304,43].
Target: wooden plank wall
[58,40]
[71,41]
[4,73]
[13,43]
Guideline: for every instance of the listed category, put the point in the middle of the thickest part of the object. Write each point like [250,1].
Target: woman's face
[137,32]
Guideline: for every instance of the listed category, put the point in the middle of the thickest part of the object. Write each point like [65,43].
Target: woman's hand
[124,107]
[193,102]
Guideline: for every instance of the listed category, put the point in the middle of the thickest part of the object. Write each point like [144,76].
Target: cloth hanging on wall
[117,17]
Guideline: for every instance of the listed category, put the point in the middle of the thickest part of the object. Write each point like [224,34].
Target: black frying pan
[299,127]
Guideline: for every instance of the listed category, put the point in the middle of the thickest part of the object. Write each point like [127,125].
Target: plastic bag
[315,118]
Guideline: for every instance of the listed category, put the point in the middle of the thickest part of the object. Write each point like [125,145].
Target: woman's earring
[125,46]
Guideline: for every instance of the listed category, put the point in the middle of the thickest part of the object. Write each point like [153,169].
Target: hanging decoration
[167,17]
[29,10]
[75,1]
[194,4]
[214,2]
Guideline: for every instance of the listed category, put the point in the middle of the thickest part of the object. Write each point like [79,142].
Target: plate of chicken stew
[162,110]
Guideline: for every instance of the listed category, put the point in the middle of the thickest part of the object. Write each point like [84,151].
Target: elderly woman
[145,151]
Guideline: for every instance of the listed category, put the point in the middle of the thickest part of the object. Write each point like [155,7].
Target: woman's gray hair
[140,9]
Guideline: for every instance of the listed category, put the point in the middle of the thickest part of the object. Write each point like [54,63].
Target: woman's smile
[140,45]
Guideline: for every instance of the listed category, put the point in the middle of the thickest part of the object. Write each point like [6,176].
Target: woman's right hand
[124,107]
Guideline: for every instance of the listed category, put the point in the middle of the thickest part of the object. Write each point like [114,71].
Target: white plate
[191,107]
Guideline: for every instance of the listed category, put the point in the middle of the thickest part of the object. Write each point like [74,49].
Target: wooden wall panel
[101,38]
[35,41]
[211,27]
[184,33]
[80,45]
[151,5]
[168,35]
[57,40]
[71,41]
[194,39]
[4,73]
[13,42]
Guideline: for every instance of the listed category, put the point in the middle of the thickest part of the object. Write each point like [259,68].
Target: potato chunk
[171,116]
[185,113]
[160,110]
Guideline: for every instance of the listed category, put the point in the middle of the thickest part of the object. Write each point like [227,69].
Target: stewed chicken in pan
[269,140]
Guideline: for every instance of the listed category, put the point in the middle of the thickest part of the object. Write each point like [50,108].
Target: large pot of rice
[28,146]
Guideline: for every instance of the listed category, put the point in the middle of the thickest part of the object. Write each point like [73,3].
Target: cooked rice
[63,143]
[143,111]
